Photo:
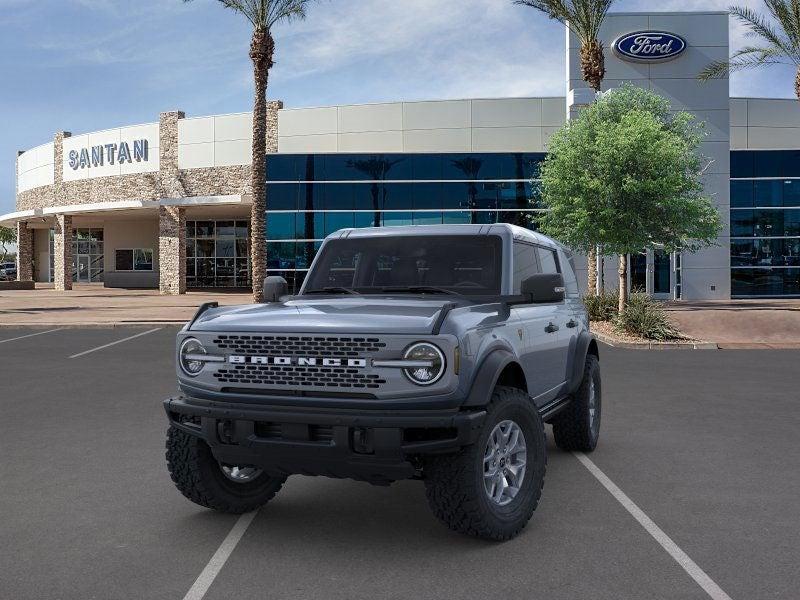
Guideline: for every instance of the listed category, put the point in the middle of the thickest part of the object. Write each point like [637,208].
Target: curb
[94,325]
[609,341]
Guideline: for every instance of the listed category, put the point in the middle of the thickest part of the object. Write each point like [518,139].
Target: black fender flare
[584,345]
[486,376]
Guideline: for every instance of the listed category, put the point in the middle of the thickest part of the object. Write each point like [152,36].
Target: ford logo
[649,46]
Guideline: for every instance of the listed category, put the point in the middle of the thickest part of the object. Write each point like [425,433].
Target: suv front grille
[284,345]
[319,377]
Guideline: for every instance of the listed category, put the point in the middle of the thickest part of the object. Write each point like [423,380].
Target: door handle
[572,323]
[551,328]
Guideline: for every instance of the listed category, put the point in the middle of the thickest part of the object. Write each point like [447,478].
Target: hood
[327,315]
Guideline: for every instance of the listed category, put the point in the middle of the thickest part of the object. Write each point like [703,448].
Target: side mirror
[275,287]
[544,288]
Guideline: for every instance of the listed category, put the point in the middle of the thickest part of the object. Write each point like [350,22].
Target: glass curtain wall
[765,223]
[310,196]
[218,254]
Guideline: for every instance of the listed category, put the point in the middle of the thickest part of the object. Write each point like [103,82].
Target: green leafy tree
[263,15]
[8,236]
[584,19]
[627,174]
[778,40]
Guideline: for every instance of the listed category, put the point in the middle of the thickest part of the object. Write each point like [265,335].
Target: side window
[570,280]
[526,264]
[547,260]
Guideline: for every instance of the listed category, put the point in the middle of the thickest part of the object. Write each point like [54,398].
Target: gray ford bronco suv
[426,352]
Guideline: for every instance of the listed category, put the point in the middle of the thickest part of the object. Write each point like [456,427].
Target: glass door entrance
[652,272]
[87,255]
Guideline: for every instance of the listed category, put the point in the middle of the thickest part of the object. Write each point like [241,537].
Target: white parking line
[22,337]
[688,565]
[214,566]
[115,343]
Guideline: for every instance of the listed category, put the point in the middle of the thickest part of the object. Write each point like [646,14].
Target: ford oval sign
[649,46]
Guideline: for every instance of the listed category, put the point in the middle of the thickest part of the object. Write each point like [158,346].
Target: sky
[86,65]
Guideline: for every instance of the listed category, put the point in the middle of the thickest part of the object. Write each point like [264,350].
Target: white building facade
[167,204]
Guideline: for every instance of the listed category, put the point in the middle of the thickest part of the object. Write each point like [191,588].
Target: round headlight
[427,353]
[190,350]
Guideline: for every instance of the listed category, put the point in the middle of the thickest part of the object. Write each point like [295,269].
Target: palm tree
[263,15]
[780,41]
[584,19]
[376,168]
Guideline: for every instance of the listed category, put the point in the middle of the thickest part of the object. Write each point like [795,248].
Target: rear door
[536,346]
[557,325]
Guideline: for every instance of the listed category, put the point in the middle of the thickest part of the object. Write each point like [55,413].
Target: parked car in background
[8,271]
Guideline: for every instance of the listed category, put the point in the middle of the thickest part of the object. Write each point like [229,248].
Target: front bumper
[379,446]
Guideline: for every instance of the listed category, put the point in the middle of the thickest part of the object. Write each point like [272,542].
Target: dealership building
[167,204]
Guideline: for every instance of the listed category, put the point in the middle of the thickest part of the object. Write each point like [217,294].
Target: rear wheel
[490,489]
[227,488]
[578,426]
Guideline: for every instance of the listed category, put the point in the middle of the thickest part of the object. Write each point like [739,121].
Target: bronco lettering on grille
[302,361]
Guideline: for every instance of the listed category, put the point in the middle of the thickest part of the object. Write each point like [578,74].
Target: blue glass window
[427,218]
[455,195]
[281,226]
[282,167]
[282,196]
[396,196]
[460,217]
[742,163]
[765,282]
[741,194]
[311,196]
[768,193]
[339,196]
[426,195]
[367,219]
[791,192]
[391,219]
[768,163]
[337,221]
[426,166]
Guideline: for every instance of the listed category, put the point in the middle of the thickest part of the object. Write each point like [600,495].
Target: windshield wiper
[421,289]
[333,290]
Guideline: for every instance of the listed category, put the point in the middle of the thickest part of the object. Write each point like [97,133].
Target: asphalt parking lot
[705,443]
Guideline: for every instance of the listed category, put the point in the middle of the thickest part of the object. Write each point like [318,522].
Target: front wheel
[491,488]
[204,481]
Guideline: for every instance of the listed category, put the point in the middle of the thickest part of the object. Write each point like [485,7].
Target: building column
[171,250]
[62,253]
[24,252]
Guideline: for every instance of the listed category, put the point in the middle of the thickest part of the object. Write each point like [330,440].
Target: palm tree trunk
[797,84]
[623,282]
[261,51]
[593,68]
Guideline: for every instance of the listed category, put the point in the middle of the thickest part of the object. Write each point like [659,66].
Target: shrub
[602,307]
[644,317]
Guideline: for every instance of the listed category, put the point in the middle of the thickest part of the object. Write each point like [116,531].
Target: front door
[662,273]
[83,269]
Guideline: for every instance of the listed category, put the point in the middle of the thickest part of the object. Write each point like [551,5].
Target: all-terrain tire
[454,483]
[199,477]
[577,427]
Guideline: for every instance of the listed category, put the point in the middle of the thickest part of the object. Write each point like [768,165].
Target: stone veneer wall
[172,250]
[62,250]
[24,252]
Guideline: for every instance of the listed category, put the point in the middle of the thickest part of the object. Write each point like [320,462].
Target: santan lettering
[645,44]
[97,156]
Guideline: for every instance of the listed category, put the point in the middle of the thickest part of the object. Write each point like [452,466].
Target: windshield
[469,265]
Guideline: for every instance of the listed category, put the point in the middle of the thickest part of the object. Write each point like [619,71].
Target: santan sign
[97,156]
[649,46]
